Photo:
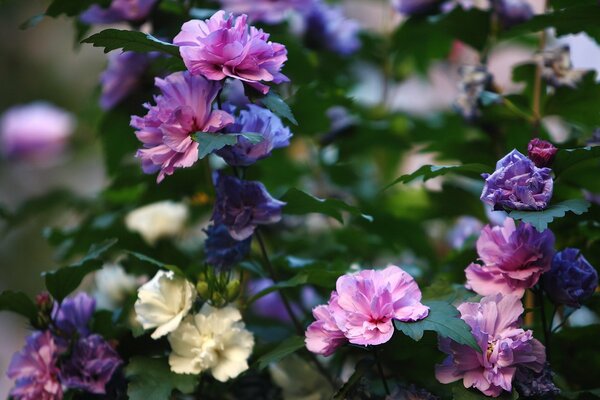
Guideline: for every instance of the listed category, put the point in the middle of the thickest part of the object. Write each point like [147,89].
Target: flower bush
[268,227]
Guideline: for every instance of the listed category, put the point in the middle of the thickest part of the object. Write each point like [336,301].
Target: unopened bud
[233,290]
[541,152]
[203,290]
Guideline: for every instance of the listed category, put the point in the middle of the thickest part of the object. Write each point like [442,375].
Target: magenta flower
[323,336]
[504,346]
[225,46]
[118,11]
[183,108]
[34,369]
[541,152]
[267,11]
[513,259]
[363,308]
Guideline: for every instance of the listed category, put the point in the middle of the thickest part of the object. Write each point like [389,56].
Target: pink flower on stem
[225,46]
[514,258]
[183,108]
[504,346]
[363,307]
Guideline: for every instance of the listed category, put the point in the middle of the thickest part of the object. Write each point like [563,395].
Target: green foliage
[276,104]
[19,303]
[427,172]
[61,282]
[282,350]
[362,367]
[541,219]
[113,39]
[567,158]
[301,203]
[444,319]
[297,280]
[152,379]
[72,8]
[208,142]
[575,104]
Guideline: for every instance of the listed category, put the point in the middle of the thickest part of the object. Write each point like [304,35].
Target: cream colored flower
[163,302]
[215,339]
[299,380]
[112,285]
[157,220]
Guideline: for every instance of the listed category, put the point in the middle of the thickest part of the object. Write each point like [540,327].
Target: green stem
[381,374]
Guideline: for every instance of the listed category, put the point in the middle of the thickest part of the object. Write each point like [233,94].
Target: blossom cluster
[65,355]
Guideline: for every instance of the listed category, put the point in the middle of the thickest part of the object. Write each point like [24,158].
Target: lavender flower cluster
[65,354]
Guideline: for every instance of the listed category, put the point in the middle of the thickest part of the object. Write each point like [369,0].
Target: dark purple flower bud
[122,75]
[118,11]
[254,119]
[35,371]
[472,84]
[513,12]
[415,7]
[517,184]
[243,205]
[73,314]
[222,251]
[91,365]
[43,301]
[541,152]
[329,28]
[571,280]
[535,384]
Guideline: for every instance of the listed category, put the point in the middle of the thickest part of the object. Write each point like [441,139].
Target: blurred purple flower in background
[517,184]
[35,131]
[271,306]
[464,228]
[122,75]
[410,392]
[267,11]
[571,280]
[513,12]
[73,314]
[221,250]
[226,46]
[494,322]
[243,205]
[118,11]
[413,7]
[513,259]
[541,152]
[34,369]
[91,365]
[254,119]
[328,27]
[183,108]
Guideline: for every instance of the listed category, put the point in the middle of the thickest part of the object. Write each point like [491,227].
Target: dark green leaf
[152,379]
[577,104]
[61,282]
[112,39]
[284,349]
[469,26]
[362,367]
[159,264]
[433,171]
[301,203]
[276,104]
[541,219]
[566,158]
[444,319]
[72,8]
[18,303]
[211,142]
[118,140]
[297,280]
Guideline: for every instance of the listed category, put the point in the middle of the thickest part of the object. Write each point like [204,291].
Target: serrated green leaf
[18,303]
[301,203]
[297,280]
[152,379]
[541,219]
[61,282]
[433,171]
[210,142]
[566,158]
[276,104]
[285,348]
[444,319]
[142,257]
[113,39]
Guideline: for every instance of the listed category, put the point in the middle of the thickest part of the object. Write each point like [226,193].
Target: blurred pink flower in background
[267,11]
[36,131]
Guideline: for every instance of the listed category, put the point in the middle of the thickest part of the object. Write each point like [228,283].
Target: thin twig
[381,374]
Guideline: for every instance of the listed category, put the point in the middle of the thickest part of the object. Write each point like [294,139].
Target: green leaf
[210,142]
[577,104]
[72,8]
[285,348]
[362,367]
[155,262]
[297,280]
[444,319]
[18,303]
[301,203]
[469,26]
[152,379]
[112,39]
[61,282]
[541,219]
[566,158]
[433,171]
[276,104]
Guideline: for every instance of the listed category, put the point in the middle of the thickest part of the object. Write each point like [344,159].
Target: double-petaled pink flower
[513,257]
[225,46]
[183,108]
[494,322]
[362,309]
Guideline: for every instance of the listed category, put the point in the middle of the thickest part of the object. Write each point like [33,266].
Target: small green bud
[233,290]
[203,290]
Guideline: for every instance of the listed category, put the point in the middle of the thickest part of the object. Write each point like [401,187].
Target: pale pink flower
[226,46]
[323,336]
[183,108]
